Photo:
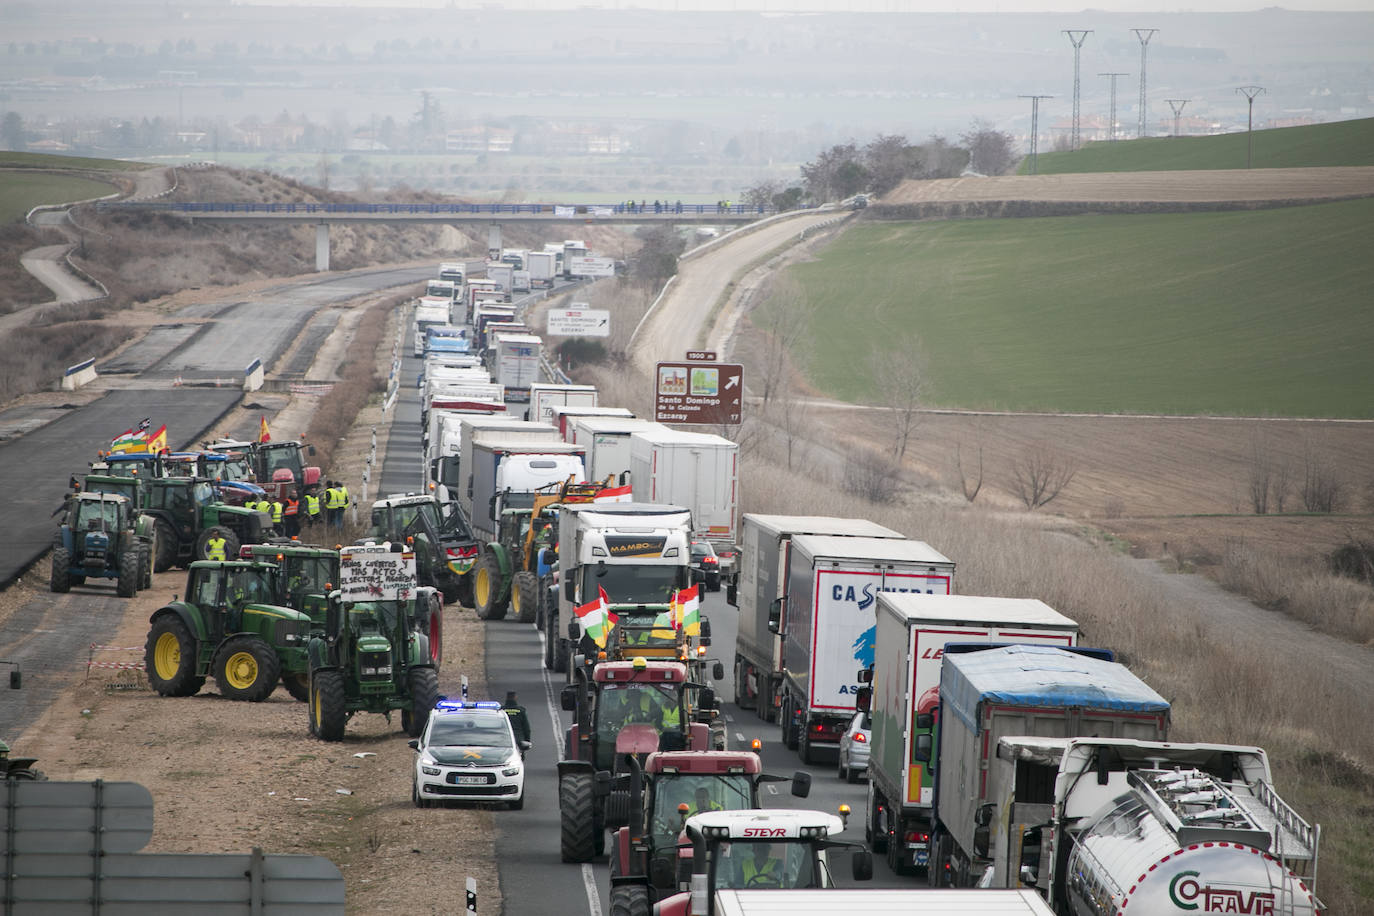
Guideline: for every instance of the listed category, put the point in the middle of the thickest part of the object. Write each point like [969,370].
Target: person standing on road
[215,546]
[289,511]
[344,502]
[276,508]
[519,719]
[333,504]
[312,507]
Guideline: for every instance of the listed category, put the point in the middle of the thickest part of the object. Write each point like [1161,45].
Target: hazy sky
[926,6]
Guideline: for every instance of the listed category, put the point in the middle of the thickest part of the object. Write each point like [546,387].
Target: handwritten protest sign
[376,573]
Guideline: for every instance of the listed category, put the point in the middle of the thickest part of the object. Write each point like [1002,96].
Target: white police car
[468,752]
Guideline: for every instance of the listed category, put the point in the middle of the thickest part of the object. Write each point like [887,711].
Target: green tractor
[228,629]
[188,516]
[445,549]
[373,654]
[102,536]
[308,573]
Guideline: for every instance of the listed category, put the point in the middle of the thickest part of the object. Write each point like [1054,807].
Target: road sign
[709,393]
[581,322]
[702,356]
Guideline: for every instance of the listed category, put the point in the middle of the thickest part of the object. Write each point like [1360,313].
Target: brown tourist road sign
[708,393]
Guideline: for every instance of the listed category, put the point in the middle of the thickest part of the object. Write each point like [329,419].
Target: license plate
[472,780]
[920,858]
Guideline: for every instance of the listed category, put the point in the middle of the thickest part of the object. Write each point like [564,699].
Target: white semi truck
[506,471]
[542,267]
[696,470]
[910,639]
[828,624]
[761,581]
[515,363]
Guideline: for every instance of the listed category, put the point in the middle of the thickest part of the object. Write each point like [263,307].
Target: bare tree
[789,414]
[991,152]
[784,325]
[761,194]
[1282,484]
[901,382]
[833,168]
[1322,488]
[1261,474]
[872,475]
[969,481]
[889,160]
[1039,476]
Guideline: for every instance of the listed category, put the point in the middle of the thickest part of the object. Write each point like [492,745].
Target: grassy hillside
[13,160]
[20,192]
[1342,143]
[1251,313]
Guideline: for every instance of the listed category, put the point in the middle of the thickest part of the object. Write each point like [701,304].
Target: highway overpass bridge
[322,215]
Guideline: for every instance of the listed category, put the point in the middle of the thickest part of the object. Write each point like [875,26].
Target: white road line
[588,876]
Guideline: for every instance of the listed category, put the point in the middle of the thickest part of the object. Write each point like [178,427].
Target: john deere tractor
[443,543]
[101,537]
[374,654]
[228,629]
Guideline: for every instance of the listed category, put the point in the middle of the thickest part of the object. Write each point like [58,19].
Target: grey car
[854,746]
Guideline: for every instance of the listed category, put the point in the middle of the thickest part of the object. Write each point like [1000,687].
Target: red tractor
[623,710]
[650,858]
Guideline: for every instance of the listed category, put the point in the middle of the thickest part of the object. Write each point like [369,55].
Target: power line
[1250,92]
[1035,126]
[1144,35]
[1111,118]
[1077,37]
[1177,105]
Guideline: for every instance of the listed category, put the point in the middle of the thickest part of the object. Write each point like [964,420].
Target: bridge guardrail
[571,211]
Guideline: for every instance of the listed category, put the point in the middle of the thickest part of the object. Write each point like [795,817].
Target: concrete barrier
[252,376]
[78,375]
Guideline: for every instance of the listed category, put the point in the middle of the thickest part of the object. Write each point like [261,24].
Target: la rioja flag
[596,618]
[687,610]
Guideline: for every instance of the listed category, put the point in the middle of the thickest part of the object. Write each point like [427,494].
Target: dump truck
[373,655]
[987,694]
[827,624]
[909,648]
[760,582]
[647,861]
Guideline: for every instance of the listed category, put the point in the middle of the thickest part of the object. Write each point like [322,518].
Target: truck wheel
[328,714]
[789,728]
[874,833]
[231,542]
[560,656]
[61,578]
[549,642]
[298,685]
[246,668]
[166,542]
[525,596]
[630,900]
[126,586]
[486,584]
[170,658]
[424,693]
[804,748]
[577,840]
[436,635]
[895,850]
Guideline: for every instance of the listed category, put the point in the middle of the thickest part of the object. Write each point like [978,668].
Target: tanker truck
[1113,825]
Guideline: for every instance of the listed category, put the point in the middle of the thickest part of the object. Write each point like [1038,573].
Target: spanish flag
[263,434]
[157,442]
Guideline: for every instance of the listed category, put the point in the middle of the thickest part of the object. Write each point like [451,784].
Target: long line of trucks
[1004,755]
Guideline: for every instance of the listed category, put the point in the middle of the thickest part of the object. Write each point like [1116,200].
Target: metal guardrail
[570,211]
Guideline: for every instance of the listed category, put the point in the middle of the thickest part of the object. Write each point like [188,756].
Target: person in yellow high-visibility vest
[334,503]
[658,710]
[703,802]
[214,547]
[763,869]
[312,506]
[276,513]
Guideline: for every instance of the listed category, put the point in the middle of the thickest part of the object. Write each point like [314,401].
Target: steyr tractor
[102,536]
[507,574]
[228,629]
[757,849]
[647,861]
[445,549]
[372,655]
[621,709]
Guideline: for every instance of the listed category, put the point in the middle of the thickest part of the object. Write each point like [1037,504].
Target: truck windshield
[779,863]
[626,584]
[699,793]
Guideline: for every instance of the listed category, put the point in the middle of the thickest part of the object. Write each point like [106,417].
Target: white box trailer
[563,416]
[520,281]
[828,624]
[544,396]
[542,267]
[761,579]
[696,470]
[912,633]
[443,443]
[471,428]
[515,363]
[607,440]
[429,312]
[507,470]
[501,275]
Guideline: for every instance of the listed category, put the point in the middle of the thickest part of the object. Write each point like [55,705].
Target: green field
[1341,143]
[12,160]
[20,192]
[1252,313]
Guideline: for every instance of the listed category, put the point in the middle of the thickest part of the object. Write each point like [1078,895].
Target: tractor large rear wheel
[126,586]
[297,684]
[145,566]
[61,578]
[170,658]
[561,651]
[246,668]
[525,596]
[424,693]
[630,900]
[166,543]
[328,712]
[486,585]
[577,819]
